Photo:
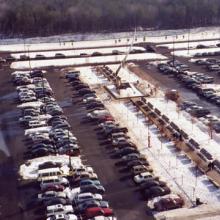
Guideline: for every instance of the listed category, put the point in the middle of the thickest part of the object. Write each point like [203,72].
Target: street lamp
[29,59]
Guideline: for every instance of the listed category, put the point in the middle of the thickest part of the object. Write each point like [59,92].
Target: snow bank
[191,53]
[29,170]
[178,45]
[85,60]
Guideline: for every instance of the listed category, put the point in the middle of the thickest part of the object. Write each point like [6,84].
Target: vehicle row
[115,139]
[200,83]
[76,193]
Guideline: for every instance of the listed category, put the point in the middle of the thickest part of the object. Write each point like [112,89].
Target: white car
[88,99]
[63,217]
[79,170]
[119,140]
[59,209]
[140,178]
[98,113]
[106,124]
[81,197]
[103,218]
[36,123]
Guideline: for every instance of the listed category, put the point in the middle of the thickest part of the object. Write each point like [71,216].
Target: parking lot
[167,82]
[120,193]
[116,185]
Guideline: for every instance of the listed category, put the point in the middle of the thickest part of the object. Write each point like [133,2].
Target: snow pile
[191,53]
[29,170]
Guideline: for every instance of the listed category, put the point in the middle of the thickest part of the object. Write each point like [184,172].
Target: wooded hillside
[46,17]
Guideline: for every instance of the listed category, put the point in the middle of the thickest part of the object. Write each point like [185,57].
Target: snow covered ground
[85,60]
[167,163]
[172,166]
[192,52]
[202,212]
[125,74]
[216,87]
[74,52]
[194,128]
[63,42]
[178,45]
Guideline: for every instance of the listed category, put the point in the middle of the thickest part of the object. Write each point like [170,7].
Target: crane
[117,78]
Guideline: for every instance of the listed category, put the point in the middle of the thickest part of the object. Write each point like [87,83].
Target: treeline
[47,17]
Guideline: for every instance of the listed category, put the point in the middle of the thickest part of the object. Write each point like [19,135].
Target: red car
[168,203]
[97,211]
[106,118]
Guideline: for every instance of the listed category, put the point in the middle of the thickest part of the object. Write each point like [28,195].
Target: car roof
[48,170]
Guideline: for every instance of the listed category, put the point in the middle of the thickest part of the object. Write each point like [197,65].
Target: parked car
[156,191]
[63,217]
[168,202]
[150,183]
[96,189]
[142,177]
[59,209]
[98,211]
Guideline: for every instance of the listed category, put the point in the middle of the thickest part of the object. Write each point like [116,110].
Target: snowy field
[191,45]
[102,40]
[85,60]
[172,166]
[203,212]
[74,52]
[191,126]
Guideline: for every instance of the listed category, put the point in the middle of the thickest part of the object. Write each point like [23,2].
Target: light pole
[173,51]
[148,136]
[29,59]
[188,40]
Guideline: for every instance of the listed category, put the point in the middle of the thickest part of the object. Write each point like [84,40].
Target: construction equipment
[118,82]
[172,95]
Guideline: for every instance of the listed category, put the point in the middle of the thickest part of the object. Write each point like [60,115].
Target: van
[50,172]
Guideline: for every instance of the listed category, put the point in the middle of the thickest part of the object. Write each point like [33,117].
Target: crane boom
[126,55]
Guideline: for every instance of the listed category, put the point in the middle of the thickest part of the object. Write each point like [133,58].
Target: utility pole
[29,59]
[188,40]
[148,136]
[173,51]
[70,162]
